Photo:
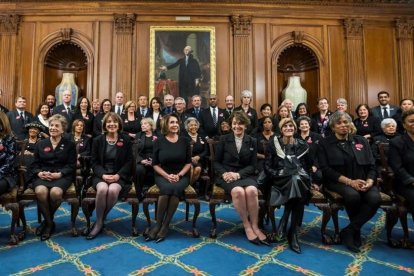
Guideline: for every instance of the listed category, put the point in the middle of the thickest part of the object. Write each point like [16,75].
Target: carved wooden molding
[353,28]
[124,23]
[9,24]
[405,28]
[242,25]
[66,34]
[298,37]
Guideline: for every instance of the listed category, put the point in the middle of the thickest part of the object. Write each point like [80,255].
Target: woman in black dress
[155,111]
[172,162]
[401,159]
[366,124]
[235,165]
[42,117]
[348,168]
[200,148]
[130,119]
[246,100]
[106,107]
[83,112]
[287,165]
[54,171]
[320,119]
[111,165]
[34,129]
[144,141]
[81,140]
[8,152]
[263,138]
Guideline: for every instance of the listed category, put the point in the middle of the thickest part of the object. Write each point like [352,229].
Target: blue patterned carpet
[115,252]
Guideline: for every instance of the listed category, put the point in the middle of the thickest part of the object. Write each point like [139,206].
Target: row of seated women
[345,160]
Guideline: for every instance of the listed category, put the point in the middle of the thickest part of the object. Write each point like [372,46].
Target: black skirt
[245,182]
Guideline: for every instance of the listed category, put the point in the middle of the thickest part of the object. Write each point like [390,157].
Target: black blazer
[372,125]
[191,112]
[252,115]
[206,122]
[83,145]
[97,124]
[138,145]
[17,123]
[227,113]
[88,120]
[332,162]
[123,162]
[4,109]
[321,127]
[61,159]
[401,159]
[228,160]
[160,116]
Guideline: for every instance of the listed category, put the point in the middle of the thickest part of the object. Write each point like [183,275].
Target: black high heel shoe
[40,228]
[294,243]
[47,231]
[91,236]
[255,241]
[266,241]
[347,238]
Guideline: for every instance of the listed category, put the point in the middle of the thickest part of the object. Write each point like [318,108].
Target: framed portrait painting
[182,61]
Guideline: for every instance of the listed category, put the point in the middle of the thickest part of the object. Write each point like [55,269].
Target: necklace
[111,142]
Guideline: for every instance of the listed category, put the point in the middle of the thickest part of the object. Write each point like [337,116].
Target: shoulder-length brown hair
[6,128]
[114,117]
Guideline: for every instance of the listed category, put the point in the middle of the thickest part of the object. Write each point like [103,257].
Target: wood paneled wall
[360,50]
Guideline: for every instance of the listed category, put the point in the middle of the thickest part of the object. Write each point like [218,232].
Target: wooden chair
[10,203]
[190,197]
[28,195]
[88,200]
[219,196]
[399,209]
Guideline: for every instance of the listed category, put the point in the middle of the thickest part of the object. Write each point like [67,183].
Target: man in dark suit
[229,106]
[51,102]
[168,104]
[189,74]
[142,107]
[384,110]
[211,118]
[196,110]
[118,107]
[3,108]
[66,109]
[19,117]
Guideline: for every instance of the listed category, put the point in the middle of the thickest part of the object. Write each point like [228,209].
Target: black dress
[287,166]
[88,121]
[131,127]
[372,126]
[172,157]
[61,159]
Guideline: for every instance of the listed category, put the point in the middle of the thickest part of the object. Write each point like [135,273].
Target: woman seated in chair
[200,147]
[144,140]
[8,152]
[81,140]
[287,165]
[389,131]
[111,165]
[235,165]
[34,130]
[53,171]
[401,159]
[348,168]
[172,162]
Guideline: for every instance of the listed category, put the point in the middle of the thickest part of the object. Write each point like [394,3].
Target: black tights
[360,206]
[48,201]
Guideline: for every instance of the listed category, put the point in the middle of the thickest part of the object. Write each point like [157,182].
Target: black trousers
[4,186]
[360,206]
[407,192]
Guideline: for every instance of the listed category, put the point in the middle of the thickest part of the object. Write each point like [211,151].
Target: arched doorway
[65,57]
[299,60]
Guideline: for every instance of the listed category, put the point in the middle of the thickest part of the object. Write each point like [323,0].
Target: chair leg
[391,218]
[271,216]
[403,213]
[87,210]
[134,209]
[74,210]
[187,210]
[213,231]
[14,208]
[147,216]
[196,203]
[326,217]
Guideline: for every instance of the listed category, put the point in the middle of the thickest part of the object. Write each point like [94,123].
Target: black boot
[294,242]
[295,220]
[172,207]
[162,206]
[347,237]
[357,238]
[281,230]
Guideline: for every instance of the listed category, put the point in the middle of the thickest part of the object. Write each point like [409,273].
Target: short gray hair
[61,119]
[150,121]
[388,121]
[179,99]
[189,120]
[336,116]
[341,101]
[246,93]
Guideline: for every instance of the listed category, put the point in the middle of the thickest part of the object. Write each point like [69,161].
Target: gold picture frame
[167,45]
